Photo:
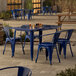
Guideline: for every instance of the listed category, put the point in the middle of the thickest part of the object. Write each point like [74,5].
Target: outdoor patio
[42,67]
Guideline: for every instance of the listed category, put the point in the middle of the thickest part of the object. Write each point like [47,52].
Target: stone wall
[3,5]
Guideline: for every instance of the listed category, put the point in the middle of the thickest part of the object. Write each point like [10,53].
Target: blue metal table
[39,29]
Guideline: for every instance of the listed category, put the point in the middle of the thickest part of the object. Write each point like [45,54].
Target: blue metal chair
[30,14]
[11,39]
[14,13]
[27,34]
[44,10]
[49,46]
[22,71]
[62,42]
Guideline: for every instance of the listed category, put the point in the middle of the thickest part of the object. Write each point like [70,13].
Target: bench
[63,21]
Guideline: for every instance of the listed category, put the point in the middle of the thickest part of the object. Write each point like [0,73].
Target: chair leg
[64,50]
[46,54]
[71,49]
[50,51]
[57,54]
[22,46]
[60,48]
[4,47]
[37,54]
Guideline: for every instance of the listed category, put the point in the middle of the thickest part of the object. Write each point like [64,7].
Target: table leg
[40,37]
[24,14]
[21,14]
[13,44]
[31,43]
[59,22]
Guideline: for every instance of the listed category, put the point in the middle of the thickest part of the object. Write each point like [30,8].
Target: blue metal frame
[22,71]
[11,40]
[62,42]
[48,9]
[49,46]
[44,27]
[15,13]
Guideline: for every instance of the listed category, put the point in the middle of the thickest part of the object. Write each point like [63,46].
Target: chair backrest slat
[27,27]
[69,33]
[55,37]
[7,31]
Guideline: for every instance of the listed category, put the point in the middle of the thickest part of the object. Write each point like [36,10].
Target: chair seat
[18,38]
[61,40]
[47,44]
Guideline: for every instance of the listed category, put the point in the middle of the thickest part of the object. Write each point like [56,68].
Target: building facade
[37,4]
[3,5]
[11,4]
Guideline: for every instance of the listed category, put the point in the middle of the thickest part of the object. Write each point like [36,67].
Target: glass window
[14,4]
[36,5]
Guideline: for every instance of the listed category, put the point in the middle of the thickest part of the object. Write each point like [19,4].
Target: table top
[67,14]
[27,28]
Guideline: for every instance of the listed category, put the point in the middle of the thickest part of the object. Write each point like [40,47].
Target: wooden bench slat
[67,22]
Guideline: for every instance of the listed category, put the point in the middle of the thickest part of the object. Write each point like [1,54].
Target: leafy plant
[28,4]
[68,72]
[47,3]
[5,14]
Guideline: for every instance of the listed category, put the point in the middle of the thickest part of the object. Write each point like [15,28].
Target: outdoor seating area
[22,12]
[37,38]
[50,43]
[47,10]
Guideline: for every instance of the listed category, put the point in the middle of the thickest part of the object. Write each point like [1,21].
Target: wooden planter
[1,34]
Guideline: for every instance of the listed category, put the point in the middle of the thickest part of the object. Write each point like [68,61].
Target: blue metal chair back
[22,71]
[44,9]
[7,31]
[55,37]
[12,12]
[27,27]
[69,33]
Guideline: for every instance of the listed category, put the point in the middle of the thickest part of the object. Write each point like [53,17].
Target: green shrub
[47,3]
[28,4]
[68,72]
[5,15]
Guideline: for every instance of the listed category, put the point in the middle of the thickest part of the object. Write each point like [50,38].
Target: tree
[47,3]
[28,4]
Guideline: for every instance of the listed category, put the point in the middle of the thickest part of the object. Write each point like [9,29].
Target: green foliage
[5,14]
[47,3]
[68,72]
[28,4]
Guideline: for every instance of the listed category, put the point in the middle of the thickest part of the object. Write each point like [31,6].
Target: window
[14,4]
[36,5]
